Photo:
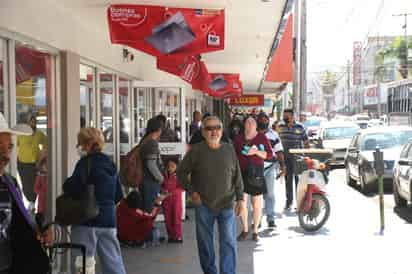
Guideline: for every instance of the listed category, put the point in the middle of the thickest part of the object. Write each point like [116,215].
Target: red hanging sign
[161,31]
[224,85]
[189,68]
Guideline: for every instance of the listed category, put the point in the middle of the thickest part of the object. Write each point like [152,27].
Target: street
[349,242]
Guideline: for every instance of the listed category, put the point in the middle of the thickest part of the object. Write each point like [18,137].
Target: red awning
[281,67]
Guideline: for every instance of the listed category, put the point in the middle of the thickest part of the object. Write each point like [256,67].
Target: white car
[336,136]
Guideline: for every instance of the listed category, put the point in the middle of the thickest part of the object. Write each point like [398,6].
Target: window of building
[106,93]
[143,105]
[124,117]
[35,88]
[87,96]
[3,75]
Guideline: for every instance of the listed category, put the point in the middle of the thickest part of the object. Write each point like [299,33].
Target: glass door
[87,96]
[35,89]
[106,93]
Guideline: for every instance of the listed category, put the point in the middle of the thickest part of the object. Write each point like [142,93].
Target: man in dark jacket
[21,249]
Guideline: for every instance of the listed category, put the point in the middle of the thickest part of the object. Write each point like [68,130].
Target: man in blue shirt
[293,136]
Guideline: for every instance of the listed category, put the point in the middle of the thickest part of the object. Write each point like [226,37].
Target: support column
[70,110]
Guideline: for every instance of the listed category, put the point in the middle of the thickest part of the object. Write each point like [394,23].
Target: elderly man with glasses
[210,172]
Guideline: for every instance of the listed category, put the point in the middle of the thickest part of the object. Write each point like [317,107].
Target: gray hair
[211,118]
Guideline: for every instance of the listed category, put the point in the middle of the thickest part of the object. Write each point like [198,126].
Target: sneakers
[288,207]
[271,224]
[175,241]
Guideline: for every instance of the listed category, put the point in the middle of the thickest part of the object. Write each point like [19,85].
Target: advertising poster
[161,31]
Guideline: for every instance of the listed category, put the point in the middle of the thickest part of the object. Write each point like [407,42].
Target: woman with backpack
[152,165]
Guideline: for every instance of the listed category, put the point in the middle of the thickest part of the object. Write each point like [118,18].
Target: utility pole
[296,58]
[348,84]
[303,56]
[378,83]
[405,15]
[299,81]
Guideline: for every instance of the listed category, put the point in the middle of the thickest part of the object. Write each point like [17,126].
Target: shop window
[124,118]
[144,110]
[106,93]
[166,103]
[3,75]
[87,105]
[34,93]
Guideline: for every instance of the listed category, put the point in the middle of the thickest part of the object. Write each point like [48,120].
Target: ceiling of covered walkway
[250,29]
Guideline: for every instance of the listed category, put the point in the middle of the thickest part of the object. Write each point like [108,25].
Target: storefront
[371,101]
[29,73]
[400,96]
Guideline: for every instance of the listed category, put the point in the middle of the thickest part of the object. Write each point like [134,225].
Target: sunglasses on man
[211,128]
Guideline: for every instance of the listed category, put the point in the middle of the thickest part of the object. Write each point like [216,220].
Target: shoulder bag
[70,211]
[254,174]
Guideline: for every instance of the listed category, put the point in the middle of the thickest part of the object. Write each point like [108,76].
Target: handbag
[254,175]
[71,211]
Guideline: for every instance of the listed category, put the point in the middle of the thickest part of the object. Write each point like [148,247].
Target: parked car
[402,177]
[337,137]
[359,159]
[375,123]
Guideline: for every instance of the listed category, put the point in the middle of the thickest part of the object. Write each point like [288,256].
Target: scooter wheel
[320,208]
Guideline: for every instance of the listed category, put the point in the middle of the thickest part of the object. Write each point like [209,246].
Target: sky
[333,26]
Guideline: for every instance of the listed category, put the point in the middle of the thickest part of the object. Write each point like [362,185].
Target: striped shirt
[292,137]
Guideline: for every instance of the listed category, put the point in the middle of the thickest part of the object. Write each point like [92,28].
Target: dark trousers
[150,191]
[290,175]
[27,174]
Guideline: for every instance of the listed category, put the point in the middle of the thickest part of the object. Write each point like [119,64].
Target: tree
[328,83]
[397,49]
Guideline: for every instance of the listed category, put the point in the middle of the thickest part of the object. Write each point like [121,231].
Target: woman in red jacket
[172,205]
[133,224]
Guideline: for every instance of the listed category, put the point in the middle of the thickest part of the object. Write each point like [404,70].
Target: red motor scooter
[313,206]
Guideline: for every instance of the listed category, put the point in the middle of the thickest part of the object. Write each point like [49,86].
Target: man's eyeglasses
[211,128]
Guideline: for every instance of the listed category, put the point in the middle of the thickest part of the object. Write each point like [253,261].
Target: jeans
[226,220]
[269,197]
[290,174]
[102,241]
[150,189]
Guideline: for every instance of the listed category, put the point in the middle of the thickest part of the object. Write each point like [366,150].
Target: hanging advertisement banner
[189,68]
[224,85]
[252,100]
[161,31]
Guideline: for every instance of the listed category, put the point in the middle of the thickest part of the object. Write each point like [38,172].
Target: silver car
[359,159]
[336,136]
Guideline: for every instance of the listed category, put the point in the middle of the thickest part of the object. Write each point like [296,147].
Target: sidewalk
[349,243]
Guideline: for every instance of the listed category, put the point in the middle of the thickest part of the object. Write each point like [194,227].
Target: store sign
[247,100]
[172,148]
[161,31]
[357,56]
[371,95]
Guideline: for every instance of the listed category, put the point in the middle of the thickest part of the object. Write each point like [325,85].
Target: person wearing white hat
[20,241]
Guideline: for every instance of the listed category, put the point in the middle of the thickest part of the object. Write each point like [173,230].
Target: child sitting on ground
[172,205]
[135,226]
